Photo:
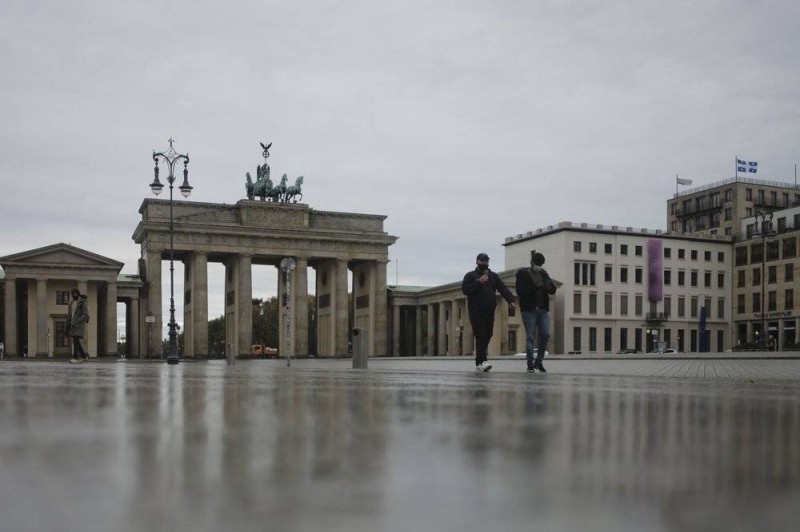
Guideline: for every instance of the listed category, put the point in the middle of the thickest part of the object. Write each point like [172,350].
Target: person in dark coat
[77,319]
[480,285]
[534,288]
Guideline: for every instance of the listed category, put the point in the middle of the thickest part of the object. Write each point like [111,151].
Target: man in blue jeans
[534,288]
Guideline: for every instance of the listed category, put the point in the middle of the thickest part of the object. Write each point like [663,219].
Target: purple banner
[655,269]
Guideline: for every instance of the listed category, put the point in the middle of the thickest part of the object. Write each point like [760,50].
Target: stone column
[11,316]
[431,336]
[155,332]
[111,320]
[244,302]
[379,305]
[300,289]
[441,332]
[455,329]
[340,320]
[199,283]
[134,348]
[395,330]
[418,330]
[41,320]
[467,335]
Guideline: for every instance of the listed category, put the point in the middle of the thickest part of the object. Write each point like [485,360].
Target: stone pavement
[645,445]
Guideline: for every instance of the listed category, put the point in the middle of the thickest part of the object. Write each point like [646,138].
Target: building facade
[630,288]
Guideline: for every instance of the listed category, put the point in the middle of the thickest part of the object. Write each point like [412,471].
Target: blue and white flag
[746,167]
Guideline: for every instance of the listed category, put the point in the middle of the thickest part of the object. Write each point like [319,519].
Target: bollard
[360,344]
[230,356]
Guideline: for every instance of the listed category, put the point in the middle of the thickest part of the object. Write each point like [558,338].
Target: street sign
[150,319]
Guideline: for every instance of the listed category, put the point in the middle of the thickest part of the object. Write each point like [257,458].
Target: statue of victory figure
[266,190]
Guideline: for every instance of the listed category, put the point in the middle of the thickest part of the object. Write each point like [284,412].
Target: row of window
[771,302]
[772,275]
[711,201]
[586,275]
[641,340]
[785,248]
[638,305]
[623,250]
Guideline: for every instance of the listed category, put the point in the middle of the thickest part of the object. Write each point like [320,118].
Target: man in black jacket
[534,288]
[479,286]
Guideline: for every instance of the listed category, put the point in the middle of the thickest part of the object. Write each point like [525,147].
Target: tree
[216,338]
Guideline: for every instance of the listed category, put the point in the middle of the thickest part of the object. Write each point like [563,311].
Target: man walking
[534,288]
[479,285]
[77,319]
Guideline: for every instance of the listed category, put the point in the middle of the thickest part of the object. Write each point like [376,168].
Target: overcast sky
[464,121]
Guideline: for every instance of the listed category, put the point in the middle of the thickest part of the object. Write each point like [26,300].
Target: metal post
[765,226]
[171,157]
[288,265]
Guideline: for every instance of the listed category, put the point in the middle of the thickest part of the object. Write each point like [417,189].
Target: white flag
[746,167]
[682,181]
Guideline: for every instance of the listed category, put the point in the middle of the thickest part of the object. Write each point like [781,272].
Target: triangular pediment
[59,255]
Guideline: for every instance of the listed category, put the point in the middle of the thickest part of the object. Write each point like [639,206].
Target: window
[592,303]
[772,250]
[638,275]
[740,304]
[785,199]
[788,272]
[772,300]
[667,253]
[788,299]
[609,274]
[609,249]
[707,279]
[576,302]
[693,281]
[623,338]
[772,274]
[638,251]
[714,199]
[773,197]
[592,247]
[681,253]
[756,301]
[728,214]
[728,194]
[782,224]
[707,256]
[668,306]
[681,307]
[741,256]
[623,304]
[576,338]
[585,273]
[592,339]
[623,274]
[681,278]
[667,277]
[694,254]
[638,304]
[720,256]
[637,338]
[789,248]
[756,276]
[756,253]
[62,297]
[607,339]
[576,246]
[720,279]
[761,197]
[623,249]
[609,304]
[740,282]
[693,308]
[721,308]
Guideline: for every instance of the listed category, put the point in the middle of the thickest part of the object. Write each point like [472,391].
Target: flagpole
[676,181]
[736,167]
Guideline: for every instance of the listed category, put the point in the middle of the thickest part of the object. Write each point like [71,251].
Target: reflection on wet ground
[258,446]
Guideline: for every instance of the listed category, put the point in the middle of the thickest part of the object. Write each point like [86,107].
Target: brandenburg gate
[253,232]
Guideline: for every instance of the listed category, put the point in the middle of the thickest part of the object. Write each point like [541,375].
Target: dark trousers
[482,328]
[77,348]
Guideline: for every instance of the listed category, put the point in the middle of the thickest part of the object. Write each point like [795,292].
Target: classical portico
[36,297]
[263,233]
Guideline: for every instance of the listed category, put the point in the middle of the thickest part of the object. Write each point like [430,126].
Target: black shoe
[539,366]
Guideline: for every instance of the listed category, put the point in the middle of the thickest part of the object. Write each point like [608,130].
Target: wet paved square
[405,445]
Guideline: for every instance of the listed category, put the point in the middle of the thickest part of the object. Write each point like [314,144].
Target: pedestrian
[534,288]
[479,285]
[77,319]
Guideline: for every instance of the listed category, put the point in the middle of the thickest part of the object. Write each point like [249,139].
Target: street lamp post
[171,157]
[765,226]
